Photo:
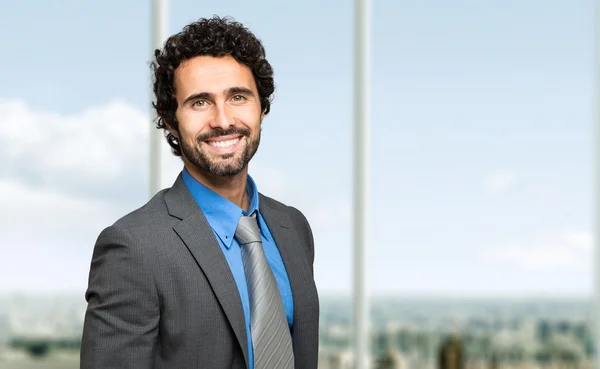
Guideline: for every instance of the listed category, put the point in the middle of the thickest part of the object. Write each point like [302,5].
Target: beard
[226,165]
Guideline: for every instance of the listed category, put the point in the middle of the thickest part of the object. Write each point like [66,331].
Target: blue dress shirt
[223,217]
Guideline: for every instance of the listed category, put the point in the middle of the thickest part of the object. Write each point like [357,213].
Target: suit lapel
[199,238]
[296,265]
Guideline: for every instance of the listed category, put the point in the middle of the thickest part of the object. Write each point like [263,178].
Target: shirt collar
[222,214]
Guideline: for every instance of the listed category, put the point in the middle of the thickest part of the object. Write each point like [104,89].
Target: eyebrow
[209,96]
[239,91]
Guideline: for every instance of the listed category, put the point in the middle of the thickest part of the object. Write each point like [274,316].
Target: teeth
[224,143]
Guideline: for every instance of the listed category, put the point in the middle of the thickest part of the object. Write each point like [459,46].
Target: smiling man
[210,273]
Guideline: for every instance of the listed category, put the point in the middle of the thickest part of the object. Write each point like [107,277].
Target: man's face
[219,115]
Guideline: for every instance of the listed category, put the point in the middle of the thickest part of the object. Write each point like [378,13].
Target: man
[209,273]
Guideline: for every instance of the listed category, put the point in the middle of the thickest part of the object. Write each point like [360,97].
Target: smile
[224,144]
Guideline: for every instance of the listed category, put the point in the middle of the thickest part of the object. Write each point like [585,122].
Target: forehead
[211,74]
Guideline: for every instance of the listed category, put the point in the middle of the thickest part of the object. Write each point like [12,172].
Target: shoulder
[301,224]
[297,217]
[144,221]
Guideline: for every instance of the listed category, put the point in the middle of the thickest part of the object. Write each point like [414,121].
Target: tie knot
[247,230]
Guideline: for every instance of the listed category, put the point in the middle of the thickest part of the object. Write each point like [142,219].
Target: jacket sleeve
[121,321]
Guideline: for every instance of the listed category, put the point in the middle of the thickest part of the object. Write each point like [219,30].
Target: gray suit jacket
[161,294]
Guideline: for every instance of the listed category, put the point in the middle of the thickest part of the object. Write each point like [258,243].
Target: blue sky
[482,122]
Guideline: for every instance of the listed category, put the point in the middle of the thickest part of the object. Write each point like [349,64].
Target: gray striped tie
[271,337]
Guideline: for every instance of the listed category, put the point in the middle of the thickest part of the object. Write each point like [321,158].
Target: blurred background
[481,242]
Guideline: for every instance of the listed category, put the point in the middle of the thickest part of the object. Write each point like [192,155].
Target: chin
[226,169]
[226,173]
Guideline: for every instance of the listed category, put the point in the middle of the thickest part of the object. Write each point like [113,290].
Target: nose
[223,118]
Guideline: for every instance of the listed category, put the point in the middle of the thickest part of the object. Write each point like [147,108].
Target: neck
[233,188]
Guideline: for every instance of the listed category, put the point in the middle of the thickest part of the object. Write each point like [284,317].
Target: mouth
[224,144]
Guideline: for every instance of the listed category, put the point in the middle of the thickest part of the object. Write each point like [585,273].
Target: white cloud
[63,179]
[501,181]
[567,250]
[94,153]
[45,213]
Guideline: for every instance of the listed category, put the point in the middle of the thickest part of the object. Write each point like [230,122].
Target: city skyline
[521,331]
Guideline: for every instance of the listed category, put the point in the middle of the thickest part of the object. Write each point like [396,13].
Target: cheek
[250,117]
[190,125]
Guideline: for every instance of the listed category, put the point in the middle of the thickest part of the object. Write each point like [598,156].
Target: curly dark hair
[215,37]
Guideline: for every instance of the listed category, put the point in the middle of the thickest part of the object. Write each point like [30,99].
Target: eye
[238,98]
[199,103]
